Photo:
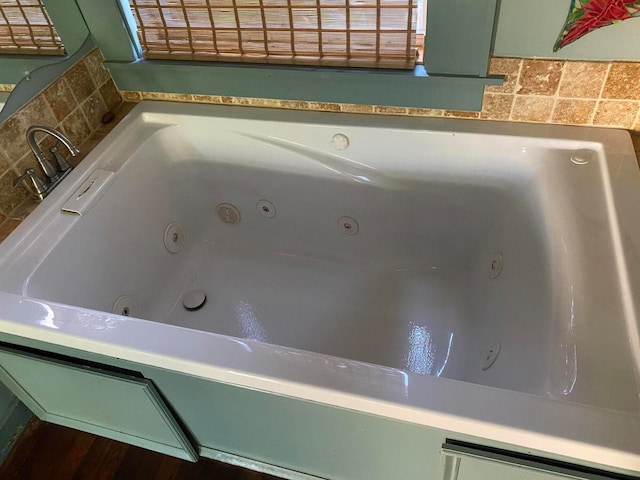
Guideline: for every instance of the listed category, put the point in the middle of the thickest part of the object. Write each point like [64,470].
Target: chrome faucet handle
[38,186]
[63,165]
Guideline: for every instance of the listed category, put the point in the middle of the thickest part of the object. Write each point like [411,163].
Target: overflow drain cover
[194,300]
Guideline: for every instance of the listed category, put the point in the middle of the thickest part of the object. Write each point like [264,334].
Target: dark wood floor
[49,452]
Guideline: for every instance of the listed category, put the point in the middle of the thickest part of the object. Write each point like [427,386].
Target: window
[457,49]
[26,29]
[352,33]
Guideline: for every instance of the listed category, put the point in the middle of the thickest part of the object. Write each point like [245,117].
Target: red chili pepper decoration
[588,15]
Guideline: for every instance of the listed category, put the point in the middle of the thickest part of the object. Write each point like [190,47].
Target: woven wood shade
[25,29]
[361,33]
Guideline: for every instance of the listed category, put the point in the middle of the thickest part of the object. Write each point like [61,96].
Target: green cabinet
[462,461]
[113,403]
[163,410]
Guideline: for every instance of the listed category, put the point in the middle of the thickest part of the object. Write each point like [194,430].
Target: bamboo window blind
[26,29]
[355,33]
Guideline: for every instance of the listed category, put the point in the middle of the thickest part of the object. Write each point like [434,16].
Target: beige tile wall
[543,91]
[565,92]
[74,104]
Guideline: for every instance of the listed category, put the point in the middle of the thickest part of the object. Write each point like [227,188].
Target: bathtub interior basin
[503,256]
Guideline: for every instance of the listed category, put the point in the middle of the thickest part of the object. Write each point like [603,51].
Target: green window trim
[71,27]
[367,87]
[457,49]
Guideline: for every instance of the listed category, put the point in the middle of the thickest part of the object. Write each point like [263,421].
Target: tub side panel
[301,436]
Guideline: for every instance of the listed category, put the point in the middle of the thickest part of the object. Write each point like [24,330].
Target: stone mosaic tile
[38,111]
[179,97]
[129,96]
[174,97]
[573,112]
[76,127]
[294,104]
[80,82]
[582,79]
[94,109]
[207,98]
[623,81]
[616,113]
[532,109]
[110,95]
[352,108]
[324,107]
[505,66]
[264,102]
[425,112]
[97,71]
[496,106]
[10,197]
[4,163]
[13,143]
[539,77]
[236,101]
[60,99]
[461,114]
[390,110]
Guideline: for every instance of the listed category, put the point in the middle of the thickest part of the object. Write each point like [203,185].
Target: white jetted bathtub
[476,277]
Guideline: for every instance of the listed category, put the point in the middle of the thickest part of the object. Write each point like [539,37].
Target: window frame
[458,46]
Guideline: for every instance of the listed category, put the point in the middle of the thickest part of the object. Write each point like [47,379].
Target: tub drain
[194,300]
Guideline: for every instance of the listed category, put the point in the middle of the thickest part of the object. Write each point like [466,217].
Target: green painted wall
[529,28]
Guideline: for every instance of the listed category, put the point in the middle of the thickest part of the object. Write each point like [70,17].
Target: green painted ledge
[359,86]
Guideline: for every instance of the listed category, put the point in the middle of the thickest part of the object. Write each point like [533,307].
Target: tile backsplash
[565,92]
[542,91]
[73,104]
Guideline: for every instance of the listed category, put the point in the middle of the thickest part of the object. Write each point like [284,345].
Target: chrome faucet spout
[48,169]
[53,175]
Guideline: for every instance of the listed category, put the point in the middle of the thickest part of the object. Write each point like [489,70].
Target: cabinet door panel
[111,404]
[475,469]
[465,461]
